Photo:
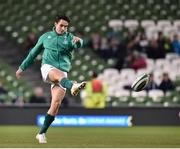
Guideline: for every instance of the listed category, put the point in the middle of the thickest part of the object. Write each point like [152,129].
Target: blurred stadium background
[123,40]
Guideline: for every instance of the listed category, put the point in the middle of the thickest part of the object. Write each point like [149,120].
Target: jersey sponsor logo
[49,37]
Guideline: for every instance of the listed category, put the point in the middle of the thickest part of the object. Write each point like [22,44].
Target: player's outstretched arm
[30,57]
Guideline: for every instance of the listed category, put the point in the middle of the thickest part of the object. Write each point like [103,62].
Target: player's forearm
[27,62]
[30,58]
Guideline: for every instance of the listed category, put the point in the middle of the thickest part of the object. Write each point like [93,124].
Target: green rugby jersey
[57,50]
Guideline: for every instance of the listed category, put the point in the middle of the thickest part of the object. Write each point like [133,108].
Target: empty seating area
[20,17]
[84,62]
[151,27]
[16,90]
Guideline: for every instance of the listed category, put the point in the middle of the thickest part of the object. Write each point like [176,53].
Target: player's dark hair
[63,17]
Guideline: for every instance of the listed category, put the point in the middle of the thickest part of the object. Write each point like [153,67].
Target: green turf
[24,136]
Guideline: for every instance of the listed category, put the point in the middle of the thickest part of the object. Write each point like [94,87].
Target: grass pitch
[91,137]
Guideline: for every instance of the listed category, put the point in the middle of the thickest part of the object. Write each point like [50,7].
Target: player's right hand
[19,73]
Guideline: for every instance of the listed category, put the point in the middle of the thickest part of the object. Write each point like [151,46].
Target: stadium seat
[128,75]
[110,72]
[161,24]
[152,32]
[176,63]
[175,74]
[143,71]
[170,31]
[126,71]
[176,24]
[158,75]
[116,25]
[123,96]
[139,96]
[131,24]
[162,63]
[111,90]
[122,93]
[147,23]
[171,56]
[156,95]
[150,64]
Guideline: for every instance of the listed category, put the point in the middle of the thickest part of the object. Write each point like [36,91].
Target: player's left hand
[19,73]
[76,39]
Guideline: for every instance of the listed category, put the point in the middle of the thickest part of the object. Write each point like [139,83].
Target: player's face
[61,26]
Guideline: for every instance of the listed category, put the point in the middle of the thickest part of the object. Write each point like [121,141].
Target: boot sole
[82,86]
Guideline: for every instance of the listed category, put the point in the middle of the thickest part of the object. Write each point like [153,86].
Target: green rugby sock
[47,122]
[66,83]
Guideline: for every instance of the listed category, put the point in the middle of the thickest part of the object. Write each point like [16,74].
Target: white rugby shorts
[45,68]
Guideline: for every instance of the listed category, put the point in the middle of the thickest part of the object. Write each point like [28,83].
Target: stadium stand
[15,88]
[115,19]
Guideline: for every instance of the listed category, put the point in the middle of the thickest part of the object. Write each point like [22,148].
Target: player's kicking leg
[60,77]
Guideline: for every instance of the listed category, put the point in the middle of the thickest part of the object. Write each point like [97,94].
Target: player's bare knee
[56,78]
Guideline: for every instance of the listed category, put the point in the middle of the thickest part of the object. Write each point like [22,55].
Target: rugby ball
[140,83]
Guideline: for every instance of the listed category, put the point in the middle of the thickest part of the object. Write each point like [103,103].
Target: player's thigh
[57,94]
[55,75]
